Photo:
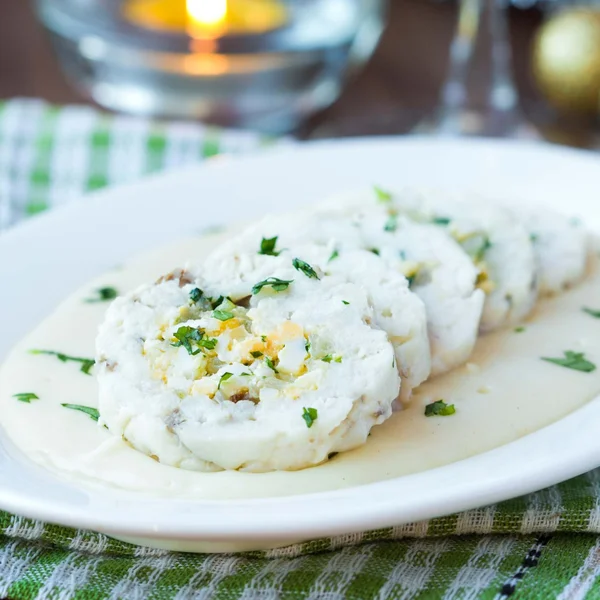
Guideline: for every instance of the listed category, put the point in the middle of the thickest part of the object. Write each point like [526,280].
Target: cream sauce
[505,392]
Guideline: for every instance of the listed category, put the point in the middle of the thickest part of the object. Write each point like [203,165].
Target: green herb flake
[307,346]
[256,354]
[263,338]
[519,329]
[345,302]
[381,194]
[214,303]
[440,220]
[267,246]
[374,251]
[305,268]
[86,363]
[391,223]
[573,360]
[479,254]
[333,256]
[105,294]
[26,397]
[196,294]
[88,410]
[329,357]
[270,364]
[592,312]
[278,285]
[186,336]
[533,237]
[208,343]
[223,315]
[439,408]
[224,377]
[310,415]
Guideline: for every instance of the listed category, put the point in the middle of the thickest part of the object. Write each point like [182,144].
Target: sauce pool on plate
[504,392]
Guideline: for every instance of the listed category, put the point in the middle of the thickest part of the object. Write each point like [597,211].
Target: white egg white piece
[277,382]
[561,245]
[497,242]
[334,250]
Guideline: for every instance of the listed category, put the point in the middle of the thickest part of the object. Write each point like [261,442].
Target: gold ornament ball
[566,61]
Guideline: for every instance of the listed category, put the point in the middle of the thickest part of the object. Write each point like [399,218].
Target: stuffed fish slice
[561,247]
[275,381]
[499,245]
[333,252]
[435,267]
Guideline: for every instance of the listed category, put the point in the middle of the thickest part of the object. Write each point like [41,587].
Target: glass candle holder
[260,64]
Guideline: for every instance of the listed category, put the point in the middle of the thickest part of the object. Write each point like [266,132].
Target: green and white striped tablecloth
[544,545]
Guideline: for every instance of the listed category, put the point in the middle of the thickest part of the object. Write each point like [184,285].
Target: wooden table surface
[396,89]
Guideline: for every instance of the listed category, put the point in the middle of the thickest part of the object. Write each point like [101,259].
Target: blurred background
[392,86]
[95,92]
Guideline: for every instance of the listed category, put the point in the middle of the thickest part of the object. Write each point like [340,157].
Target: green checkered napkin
[544,545]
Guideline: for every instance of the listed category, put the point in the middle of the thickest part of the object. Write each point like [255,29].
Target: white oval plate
[59,251]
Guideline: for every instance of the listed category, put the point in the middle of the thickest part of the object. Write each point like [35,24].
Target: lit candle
[207,18]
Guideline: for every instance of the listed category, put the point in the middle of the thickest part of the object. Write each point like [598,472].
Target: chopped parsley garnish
[214,303]
[519,329]
[345,302]
[270,364]
[300,265]
[263,338]
[256,354]
[86,363]
[381,194]
[328,358]
[224,377]
[374,251]
[479,254]
[391,223]
[573,360]
[333,256]
[411,279]
[196,294]
[476,244]
[104,295]
[309,415]
[267,246]
[591,312]
[189,336]
[26,397]
[222,315]
[440,220]
[208,343]
[307,346]
[88,410]
[533,237]
[439,408]
[277,284]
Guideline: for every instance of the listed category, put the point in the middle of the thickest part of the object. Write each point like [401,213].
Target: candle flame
[207,13]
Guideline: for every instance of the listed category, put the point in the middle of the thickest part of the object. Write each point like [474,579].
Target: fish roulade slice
[561,245]
[277,381]
[399,312]
[499,245]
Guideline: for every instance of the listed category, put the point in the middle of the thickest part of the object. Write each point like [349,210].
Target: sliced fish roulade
[275,381]
[437,270]
[561,246]
[335,252]
[497,242]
